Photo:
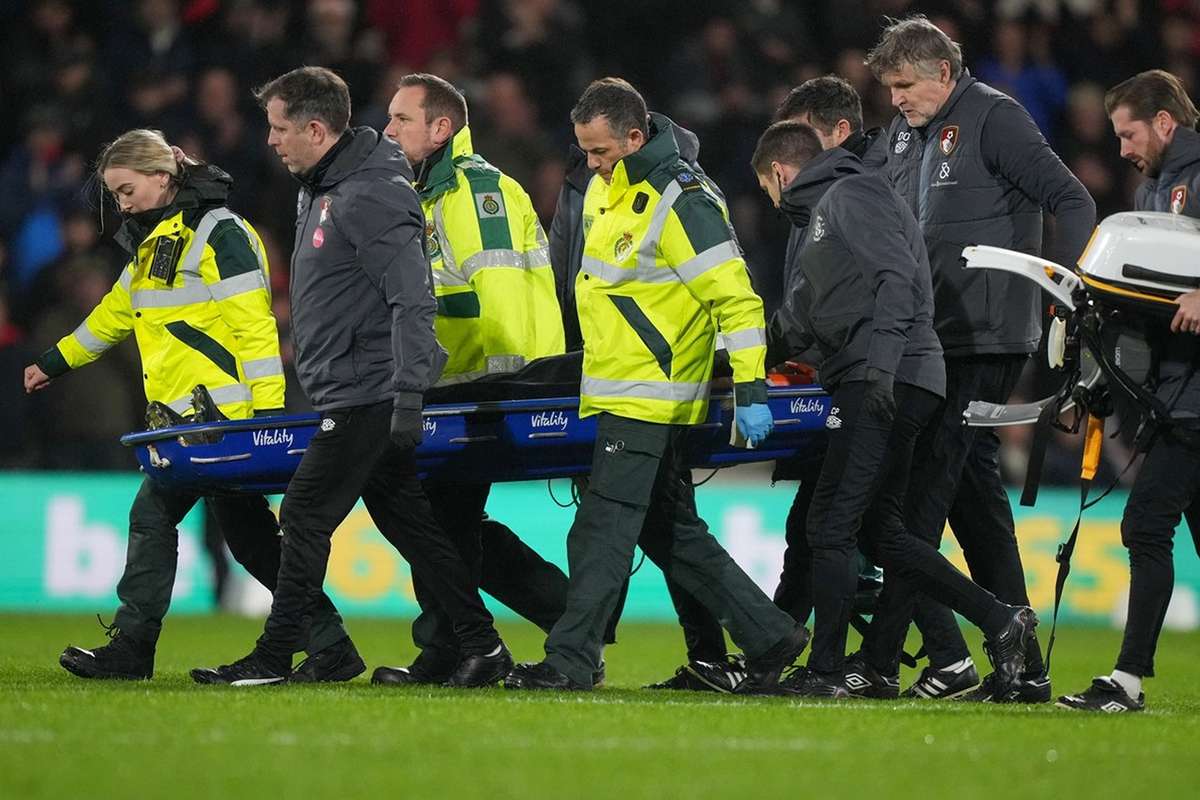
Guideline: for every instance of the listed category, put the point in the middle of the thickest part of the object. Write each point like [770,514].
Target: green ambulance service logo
[623,247]
[433,245]
[489,204]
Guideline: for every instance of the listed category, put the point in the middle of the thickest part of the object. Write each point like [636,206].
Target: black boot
[123,657]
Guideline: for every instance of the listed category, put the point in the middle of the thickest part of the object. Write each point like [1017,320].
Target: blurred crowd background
[76,73]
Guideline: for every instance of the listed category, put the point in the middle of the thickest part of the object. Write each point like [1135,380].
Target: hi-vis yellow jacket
[212,324]
[491,267]
[661,274]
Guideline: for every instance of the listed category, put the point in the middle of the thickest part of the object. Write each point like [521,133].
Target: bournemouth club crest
[948,140]
[1178,199]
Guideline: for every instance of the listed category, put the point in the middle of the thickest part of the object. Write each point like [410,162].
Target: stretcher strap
[1042,432]
[1063,557]
[1093,442]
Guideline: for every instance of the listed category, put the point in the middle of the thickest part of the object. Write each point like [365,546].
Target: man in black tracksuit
[866,305]
[362,318]
[833,109]
[974,170]
[1155,121]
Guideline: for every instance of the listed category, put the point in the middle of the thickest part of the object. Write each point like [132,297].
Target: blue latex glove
[754,422]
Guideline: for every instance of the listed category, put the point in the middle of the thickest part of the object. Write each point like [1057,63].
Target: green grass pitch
[65,737]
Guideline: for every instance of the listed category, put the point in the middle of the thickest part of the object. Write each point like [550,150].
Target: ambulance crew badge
[489,204]
[623,247]
[1178,199]
[433,246]
[948,140]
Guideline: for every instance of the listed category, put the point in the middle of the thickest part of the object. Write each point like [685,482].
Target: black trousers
[152,554]
[497,560]
[352,456]
[794,594]
[864,486]
[638,473]
[1167,487]
[958,470]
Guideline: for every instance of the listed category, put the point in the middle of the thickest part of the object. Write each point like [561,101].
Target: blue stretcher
[510,440]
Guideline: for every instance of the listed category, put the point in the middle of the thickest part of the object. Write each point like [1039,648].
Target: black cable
[709,478]
[550,488]
[1116,482]
[639,565]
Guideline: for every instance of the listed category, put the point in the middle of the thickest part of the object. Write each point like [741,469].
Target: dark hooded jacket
[864,298]
[1176,190]
[362,297]
[868,145]
[566,230]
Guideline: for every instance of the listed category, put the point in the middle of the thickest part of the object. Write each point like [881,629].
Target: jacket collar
[354,147]
[1182,152]
[965,81]
[688,144]
[861,140]
[812,182]
[436,173]
[201,187]
[661,150]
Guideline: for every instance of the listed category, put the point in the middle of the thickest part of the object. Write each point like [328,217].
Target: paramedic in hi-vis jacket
[661,273]
[195,296]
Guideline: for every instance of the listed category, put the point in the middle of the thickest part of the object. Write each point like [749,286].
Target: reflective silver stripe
[616,275]
[90,341]
[700,263]
[439,227]
[126,279]
[233,393]
[447,279]
[238,284]
[648,249]
[486,259]
[190,265]
[267,367]
[167,298]
[672,391]
[538,257]
[740,340]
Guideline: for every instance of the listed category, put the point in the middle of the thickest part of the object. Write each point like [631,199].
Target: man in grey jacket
[866,306]
[362,318]
[974,170]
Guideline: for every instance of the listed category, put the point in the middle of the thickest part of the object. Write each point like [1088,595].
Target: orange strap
[1092,442]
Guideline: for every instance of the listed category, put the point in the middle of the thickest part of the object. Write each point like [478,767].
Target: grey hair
[917,41]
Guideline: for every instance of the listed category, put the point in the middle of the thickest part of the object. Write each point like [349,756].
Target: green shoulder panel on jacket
[702,219]
[483,181]
[232,250]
